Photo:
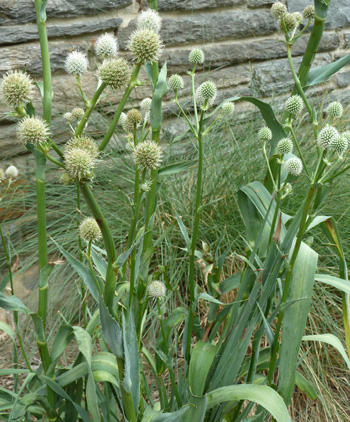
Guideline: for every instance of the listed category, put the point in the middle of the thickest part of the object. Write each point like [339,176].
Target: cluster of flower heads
[10,173]
[76,114]
[289,22]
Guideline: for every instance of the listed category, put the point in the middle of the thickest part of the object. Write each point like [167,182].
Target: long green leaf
[336,282]
[160,91]
[111,331]
[263,395]
[305,386]
[321,74]
[295,317]
[12,303]
[201,359]
[333,341]
[177,167]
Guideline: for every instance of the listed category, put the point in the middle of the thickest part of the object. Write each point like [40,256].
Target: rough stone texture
[338,12]
[210,27]
[195,4]
[14,12]
[25,33]
[260,3]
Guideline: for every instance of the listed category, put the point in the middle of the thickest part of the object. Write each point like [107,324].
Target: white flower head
[106,45]
[149,19]
[76,63]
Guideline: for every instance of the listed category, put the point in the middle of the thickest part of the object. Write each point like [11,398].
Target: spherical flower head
[326,136]
[156,289]
[82,142]
[17,88]
[278,10]
[339,144]
[89,230]
[175,82]
[265,134]
[77,113]
[122,121]
[33,129]
[309,12]
[335,109]
[294,166]
[346,135]
[145,105]
[79,164]
[2,175]
[68,116]
[66,179]
[196,56]
[76,63]
[294,105]
[106,45]
[228,109]
[11,172]
[149,19]
[285,146]
[145,45]
[298,17]
[290,22]
[115,72]
[148,155]
[146,187]
[206,93]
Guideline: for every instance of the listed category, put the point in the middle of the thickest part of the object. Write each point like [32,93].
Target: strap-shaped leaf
[321,74]
[201,359]
[12,303]
[160,90]
[111,331]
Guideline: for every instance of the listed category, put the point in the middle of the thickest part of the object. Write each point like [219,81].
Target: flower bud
[76,63]
[148,155]
[309,12]
[115,72]
[294,166]
[196,56]
[146,187]
[146,45]
[89,230]
[290,22]
[68,116]
[149,19]
[265,134]
[134,118]
[82,142]
[11,172]
[294,105]
[298,17]
[79,164]
[156,289]
[176,82]
[145,105]
[77,113]
[17,88]
[285,146]
[335,109]
[339,144]
[33,129]
[228,108]
[278,10]
[326,136]
[106,45]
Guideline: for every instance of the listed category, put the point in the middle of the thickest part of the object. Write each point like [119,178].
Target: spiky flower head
[309,12]
[76,63]
[156,289]
[145,105]
[77,113]
[82,142]
[339,144]
[115,72]
[33,129]
[298,17]
[66,179]
[149,19]
[196,56]
[17,88]
[89,230]
[145,45]
[176,82]
[148,155]
[265,134]
[134,117]
[346,135]
[285,146]
[294,105]
[11,172]
[335,109]
[228,108]
[68,116]
[278,10]
[79,163]
[207,91]
[294,166]
[288,22]
[326,136]
[146,186]
[122,121]
[2,175]
[106,45]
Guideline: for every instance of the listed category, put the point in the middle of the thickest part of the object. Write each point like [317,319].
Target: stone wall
[239,38]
